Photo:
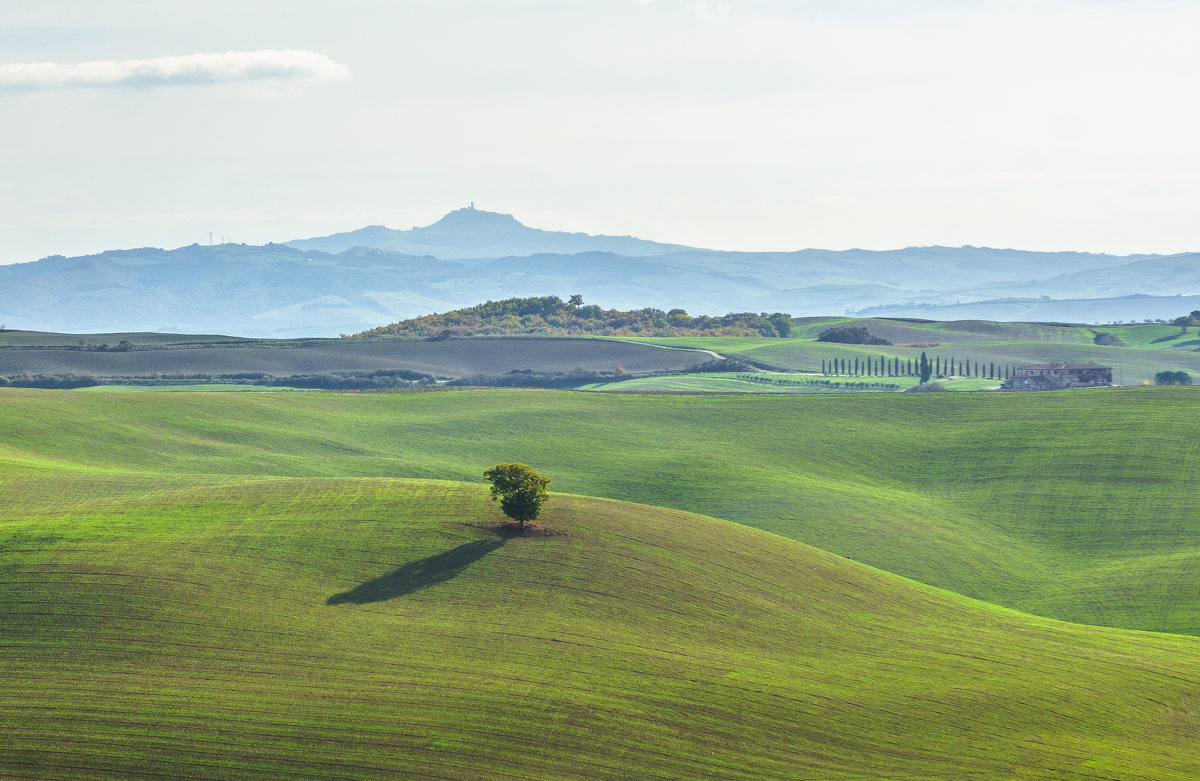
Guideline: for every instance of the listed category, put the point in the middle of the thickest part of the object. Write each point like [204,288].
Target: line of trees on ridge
[550,315]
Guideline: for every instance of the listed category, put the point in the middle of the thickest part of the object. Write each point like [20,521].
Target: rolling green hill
[1079,505]
[1150,348]
[192,626]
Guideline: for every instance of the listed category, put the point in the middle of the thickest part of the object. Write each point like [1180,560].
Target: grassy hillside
[1151,348]
[718,382]
[225,626]
[1079,505]
[908,331]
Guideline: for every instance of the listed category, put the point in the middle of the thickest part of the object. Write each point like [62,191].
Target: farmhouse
[1054,376]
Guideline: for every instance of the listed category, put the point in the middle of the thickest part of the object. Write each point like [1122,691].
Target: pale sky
[755,125]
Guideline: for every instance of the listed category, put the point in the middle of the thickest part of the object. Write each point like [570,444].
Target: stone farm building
[1054,376]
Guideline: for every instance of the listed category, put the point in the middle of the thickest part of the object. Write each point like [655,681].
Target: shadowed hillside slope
[173,626]
[1079,505]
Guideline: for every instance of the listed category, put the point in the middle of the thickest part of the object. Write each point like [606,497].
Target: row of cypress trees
[883,366]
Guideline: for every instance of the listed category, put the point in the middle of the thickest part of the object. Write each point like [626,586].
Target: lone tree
[1172,378]
[848,334]
[520,489]
[925,369]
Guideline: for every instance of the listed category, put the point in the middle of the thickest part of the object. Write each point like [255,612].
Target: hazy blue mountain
[298,289]
[475,233]
[1156,276]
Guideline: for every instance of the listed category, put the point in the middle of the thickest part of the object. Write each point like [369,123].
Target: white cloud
[168,71]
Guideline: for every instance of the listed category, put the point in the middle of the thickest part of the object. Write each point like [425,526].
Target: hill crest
[468,233]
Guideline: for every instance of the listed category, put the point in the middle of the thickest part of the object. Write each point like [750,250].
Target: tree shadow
[417,575]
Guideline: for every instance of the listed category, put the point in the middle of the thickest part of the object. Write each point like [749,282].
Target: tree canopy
[521,491]
[1172,378]
[850,334]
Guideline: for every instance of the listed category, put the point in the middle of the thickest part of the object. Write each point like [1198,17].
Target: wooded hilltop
[552,316]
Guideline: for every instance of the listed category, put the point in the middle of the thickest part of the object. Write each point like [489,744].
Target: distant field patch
[775,383]
[450,358]
[1131,365]
[188,388]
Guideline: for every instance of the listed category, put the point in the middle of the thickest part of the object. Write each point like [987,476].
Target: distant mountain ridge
[475,233]
[356,281]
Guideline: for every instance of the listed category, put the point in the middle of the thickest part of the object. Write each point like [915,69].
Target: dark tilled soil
[453,358]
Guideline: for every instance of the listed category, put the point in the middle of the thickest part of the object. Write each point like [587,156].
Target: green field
[725,382]
[375,628]
[310,585]
[213,387]
[1079,505]
[1151,348]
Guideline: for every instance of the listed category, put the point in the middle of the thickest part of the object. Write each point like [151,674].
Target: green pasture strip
[376,628]
[1156,337]
[1014,498]
[773,383]
[716,383]
[188,388]
[907,331]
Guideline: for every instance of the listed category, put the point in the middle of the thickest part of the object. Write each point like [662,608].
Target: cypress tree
[925,369]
